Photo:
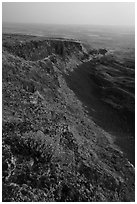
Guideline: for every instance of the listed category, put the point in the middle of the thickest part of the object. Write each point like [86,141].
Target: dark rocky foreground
[52,149]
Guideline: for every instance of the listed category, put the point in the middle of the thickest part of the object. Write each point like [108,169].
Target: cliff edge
[52,150]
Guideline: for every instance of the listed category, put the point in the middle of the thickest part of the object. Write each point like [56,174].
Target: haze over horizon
[106,13]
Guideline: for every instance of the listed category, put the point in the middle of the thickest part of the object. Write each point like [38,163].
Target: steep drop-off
[52,150]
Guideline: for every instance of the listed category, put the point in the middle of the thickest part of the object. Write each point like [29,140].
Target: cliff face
[38,49]
[52,150]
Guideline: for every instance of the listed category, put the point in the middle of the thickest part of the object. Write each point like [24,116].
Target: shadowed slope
[118,123]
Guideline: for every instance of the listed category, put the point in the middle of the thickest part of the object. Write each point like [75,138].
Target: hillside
[53,150]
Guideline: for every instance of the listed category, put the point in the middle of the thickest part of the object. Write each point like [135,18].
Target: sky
[104,13]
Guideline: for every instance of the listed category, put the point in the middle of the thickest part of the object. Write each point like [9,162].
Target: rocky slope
[52,150]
